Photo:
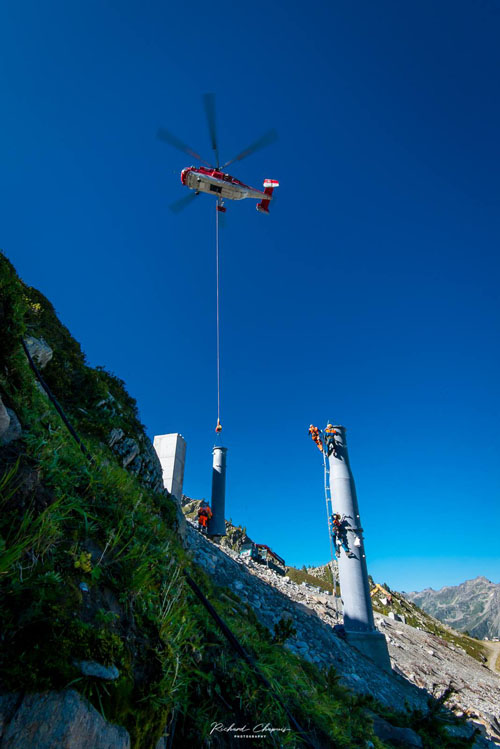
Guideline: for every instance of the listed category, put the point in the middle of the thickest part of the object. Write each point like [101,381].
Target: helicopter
[213,180]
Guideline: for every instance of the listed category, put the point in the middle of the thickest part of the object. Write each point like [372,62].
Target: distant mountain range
[472,606]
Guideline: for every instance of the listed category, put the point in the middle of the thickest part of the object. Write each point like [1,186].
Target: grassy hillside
[299,576]
[92,569]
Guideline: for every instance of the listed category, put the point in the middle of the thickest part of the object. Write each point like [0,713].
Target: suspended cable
[218,428]
[56,403]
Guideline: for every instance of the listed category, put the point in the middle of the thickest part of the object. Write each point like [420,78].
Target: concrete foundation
[217,523]
[171,450]
[353,573]
[372,645]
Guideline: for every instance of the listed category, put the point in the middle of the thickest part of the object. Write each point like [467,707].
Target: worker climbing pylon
[204,515]
[339,534]
[316,436]
[218,428]
[330,443]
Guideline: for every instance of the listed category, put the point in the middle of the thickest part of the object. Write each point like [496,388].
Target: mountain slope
[95,569]
[410,613]
[472,606]
[425,652]
[94,593]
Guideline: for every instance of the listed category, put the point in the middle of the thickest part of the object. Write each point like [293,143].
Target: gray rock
[4,419]
[464,731]
[40,351]
[8,706]
[181,524]
[57,720]
[139,457]
[404,737]
[129,449]
[151,472]
[92,668]
[115,436]
[14,430]
[394,616]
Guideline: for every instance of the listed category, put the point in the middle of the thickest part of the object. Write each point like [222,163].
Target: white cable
[218,320]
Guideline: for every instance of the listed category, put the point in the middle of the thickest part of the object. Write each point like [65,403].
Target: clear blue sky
[369,296]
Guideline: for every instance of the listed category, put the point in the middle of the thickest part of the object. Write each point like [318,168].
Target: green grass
[299,576]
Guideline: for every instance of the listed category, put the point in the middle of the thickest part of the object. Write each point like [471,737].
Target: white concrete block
[171,450]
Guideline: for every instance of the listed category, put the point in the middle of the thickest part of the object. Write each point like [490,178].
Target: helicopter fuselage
[215,182]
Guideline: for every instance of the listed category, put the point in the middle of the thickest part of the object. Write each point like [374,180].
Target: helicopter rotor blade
[179,205]
[172,140]
[209,103]
[270,137]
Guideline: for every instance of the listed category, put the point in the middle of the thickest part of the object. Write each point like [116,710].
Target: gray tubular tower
[353,574]
[217,523]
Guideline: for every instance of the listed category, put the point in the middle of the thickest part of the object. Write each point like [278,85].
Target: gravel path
[493,649]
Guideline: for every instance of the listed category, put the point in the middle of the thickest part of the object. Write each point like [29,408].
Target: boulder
[115,436]
[92,668]
[4,420]
[386,732]
[56,720]
[395,617]
[40,351]
[10,428]
[128,450]
[137,456]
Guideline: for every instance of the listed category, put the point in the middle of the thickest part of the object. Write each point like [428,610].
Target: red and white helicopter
[212,179]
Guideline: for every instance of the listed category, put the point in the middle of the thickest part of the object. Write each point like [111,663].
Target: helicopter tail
[269,186]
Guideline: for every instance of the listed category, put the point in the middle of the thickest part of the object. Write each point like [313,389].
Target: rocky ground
[422,662]
[433,663]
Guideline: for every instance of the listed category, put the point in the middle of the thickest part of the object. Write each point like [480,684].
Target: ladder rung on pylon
[329,513]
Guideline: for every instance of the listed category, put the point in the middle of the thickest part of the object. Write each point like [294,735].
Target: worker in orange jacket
[204,515]
[316,436]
